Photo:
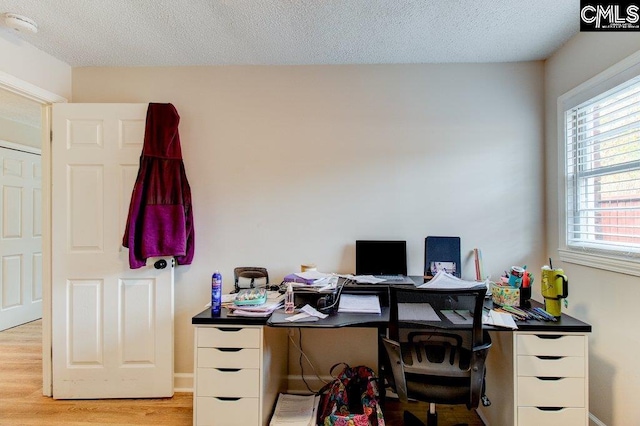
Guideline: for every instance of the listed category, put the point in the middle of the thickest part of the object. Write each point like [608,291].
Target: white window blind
[603,172]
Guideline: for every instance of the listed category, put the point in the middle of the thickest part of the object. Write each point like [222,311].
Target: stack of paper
[274,301]
[499,319]
[447,281]
[366,304]
[417,312]
[295,410]
[368,279]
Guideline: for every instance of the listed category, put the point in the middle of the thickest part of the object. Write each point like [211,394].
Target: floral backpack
[351,399]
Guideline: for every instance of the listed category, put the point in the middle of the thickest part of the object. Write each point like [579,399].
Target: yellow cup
[554,286]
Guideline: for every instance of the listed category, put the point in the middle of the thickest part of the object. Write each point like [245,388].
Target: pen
[459,314]
[546,314]
[513,314]
[542,312]
[514,311]
[536,315]
[521,311]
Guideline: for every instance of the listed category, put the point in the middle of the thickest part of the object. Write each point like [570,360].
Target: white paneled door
[21,235]
[112,327]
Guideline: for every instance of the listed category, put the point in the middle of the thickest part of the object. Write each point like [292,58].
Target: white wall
[31,65]
[292,164]
[604,299]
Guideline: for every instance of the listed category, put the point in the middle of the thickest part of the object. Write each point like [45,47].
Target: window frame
[617,74]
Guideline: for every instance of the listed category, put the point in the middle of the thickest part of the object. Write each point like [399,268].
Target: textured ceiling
[279,32]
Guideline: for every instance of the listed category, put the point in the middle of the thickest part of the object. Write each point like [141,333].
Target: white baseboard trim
[183,382]
[593,420]
[482,417]
[297,385]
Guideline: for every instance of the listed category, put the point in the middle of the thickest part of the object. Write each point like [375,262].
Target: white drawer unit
[245,411]
[533,416]
[551,383]
[239,371]
[537,378]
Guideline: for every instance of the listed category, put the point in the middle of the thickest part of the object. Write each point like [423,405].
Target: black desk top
[564,324]
[335,321]
[277,320]
[206,317]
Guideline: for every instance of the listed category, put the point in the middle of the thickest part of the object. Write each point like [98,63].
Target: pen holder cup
[525,297]
[506,295]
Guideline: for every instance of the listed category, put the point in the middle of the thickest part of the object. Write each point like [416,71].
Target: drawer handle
[229,349]
[550,408]
[549,357]
[549,336]
[549,378]
[227,398]
[229,329]
[228,370]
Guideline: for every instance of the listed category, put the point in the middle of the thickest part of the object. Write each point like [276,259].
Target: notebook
[442,254]
[383,259]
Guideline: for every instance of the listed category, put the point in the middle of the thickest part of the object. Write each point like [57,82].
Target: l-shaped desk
[537,374]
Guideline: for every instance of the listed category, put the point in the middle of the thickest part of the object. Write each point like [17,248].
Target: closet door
[20,235]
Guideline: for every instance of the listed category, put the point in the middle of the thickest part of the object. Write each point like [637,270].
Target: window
[602,171]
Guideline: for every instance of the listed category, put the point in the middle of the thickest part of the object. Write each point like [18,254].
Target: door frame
[44,98]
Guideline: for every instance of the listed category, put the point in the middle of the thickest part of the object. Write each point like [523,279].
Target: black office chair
[437,355]
[250,277]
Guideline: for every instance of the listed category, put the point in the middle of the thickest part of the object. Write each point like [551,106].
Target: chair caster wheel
[485,401]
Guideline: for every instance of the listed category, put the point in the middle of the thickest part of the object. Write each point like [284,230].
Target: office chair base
[412,420]
[432,419]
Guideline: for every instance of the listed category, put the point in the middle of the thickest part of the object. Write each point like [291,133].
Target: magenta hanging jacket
[160,221]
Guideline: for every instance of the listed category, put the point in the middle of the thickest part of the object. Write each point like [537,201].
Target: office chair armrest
[394,356]
[483,347]
[477,374]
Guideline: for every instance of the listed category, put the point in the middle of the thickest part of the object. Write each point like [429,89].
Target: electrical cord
[302,354]
[325,309]
[299,346]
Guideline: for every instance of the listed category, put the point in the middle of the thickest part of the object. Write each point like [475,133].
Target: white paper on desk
[448,281]
[312,275]
[500,319]
[301,317]
[416,312]
[359,303]
[310,310]
[368,279]
[294,410]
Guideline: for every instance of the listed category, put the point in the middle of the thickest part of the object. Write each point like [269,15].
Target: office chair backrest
[447,304]
[437,348]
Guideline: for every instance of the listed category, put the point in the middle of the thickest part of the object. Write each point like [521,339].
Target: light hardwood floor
[22,403]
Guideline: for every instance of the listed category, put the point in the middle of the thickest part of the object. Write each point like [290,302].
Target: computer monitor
[377,257]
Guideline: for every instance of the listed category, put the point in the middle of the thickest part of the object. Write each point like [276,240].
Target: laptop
[386,260]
